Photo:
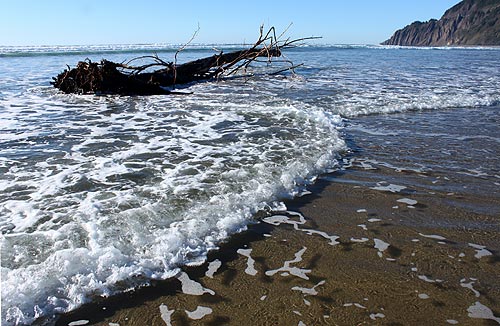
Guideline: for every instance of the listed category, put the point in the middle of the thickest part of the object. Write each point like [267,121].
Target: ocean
[103,194]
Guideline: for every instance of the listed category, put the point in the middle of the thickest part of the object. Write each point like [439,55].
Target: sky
[82,22]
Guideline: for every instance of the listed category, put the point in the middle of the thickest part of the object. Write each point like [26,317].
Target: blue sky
[72,22]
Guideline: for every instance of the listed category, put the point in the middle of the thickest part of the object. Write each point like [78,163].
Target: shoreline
[100,189]
[406,233]
[361,256]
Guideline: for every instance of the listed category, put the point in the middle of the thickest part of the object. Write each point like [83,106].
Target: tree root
[109,77]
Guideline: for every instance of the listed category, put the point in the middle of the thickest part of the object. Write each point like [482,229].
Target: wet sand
[380,242]
[346,254]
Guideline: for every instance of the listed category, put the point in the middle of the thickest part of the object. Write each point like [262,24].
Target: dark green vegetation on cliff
[470,22]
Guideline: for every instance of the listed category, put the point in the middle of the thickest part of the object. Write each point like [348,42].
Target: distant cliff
[470,22]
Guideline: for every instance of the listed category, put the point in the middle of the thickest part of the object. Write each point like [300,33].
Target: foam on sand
[287,269]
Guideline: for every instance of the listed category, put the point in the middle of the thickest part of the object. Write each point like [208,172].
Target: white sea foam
[359,240]
[130,190]
[280,219]
[309,291]
[333,238]
[432,236]
[199,312]
[374,316]
[407,201]
[192,287]
[470,285]
[354,304]
[429,280]
[79,322]
[102,194]
[481,251]
[250,270]
[287,269]
[166,314]
[480,311]
[363,226]
[381,246]
[382,186]
[213,266]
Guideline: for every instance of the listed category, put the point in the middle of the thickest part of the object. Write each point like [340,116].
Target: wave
[63,50]
[116,191]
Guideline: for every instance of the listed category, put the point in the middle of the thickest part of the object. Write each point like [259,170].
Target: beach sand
[354,256]
[405,233]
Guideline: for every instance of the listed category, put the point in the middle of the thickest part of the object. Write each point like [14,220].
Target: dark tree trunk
[108,77]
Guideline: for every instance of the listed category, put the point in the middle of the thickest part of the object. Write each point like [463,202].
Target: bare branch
[130,77]
[182,49]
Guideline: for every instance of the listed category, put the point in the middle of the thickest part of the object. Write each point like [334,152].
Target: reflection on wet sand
[377,242]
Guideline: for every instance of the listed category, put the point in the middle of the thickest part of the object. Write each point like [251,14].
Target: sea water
[102,194]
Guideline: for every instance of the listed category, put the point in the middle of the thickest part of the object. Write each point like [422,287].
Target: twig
[182,49]
[288,68]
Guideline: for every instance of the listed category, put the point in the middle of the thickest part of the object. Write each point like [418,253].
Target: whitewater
[102,194]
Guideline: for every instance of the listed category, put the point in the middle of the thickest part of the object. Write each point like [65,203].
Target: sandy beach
[371,245]
[250,164]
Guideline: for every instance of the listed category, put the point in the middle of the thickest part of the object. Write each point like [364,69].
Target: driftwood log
[108,77]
